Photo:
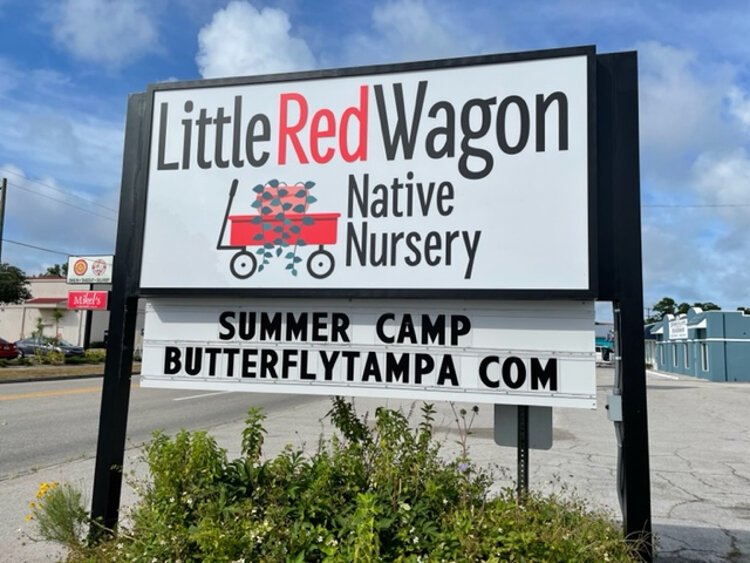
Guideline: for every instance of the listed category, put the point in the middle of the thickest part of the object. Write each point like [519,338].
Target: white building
[48,310]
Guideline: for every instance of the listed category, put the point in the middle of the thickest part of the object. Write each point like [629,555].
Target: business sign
[90,269]
[535,353]
[473,174]
[96,300]
[678,329]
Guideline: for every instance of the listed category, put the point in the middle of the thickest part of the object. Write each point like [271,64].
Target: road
[46,423]
[699,452]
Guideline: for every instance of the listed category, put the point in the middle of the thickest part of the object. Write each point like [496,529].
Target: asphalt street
[699,443]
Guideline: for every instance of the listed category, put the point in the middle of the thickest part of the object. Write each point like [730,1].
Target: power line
[697,205]
[65,192]
[38,247]
[65,203]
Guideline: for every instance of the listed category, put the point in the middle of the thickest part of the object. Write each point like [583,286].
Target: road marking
[664,375]
[200,396]
[42,394]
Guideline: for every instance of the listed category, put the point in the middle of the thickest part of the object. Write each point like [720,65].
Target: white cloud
[724,180]
[108,32]
[739,106]
[413,30]
[680,112]
[242,40]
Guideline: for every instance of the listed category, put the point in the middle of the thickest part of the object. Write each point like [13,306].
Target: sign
[88,300]
[535,353]
[678,329]
[464,175]
[90,269]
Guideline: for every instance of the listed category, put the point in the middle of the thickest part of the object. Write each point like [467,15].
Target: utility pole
[3,190]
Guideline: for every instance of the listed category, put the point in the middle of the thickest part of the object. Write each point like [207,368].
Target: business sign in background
[678,329]
[95,300]
[469,177]
[525,352]
[90,269]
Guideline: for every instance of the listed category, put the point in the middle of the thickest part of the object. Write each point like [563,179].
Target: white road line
[200,396]
[664,375]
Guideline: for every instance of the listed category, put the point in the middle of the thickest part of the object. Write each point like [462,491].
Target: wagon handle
[232,192]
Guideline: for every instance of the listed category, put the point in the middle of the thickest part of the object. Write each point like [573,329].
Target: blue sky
[67,67]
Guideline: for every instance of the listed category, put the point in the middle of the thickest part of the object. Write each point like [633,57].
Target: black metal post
[522,413]
[113,418]
[621,281]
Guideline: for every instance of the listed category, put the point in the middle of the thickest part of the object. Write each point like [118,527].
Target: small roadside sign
[90,269]
[96,300]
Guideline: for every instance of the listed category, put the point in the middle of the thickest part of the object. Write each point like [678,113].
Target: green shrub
[98,344]
[380,493]
[76,360]
[95,355]
[59,514]
[51,357]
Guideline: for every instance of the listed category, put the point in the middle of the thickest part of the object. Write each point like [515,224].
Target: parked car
[32,346]
[8,350]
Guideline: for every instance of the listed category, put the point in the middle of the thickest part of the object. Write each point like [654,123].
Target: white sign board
[535,353]
[678,329]
[473,177]
[90,269]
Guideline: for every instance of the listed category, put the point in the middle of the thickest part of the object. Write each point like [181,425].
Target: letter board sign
[525,352]
[471,174]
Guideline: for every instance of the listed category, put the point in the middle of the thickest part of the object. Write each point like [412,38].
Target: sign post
[374,197]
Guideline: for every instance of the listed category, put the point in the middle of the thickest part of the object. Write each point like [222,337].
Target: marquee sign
[472,174]
[444,350]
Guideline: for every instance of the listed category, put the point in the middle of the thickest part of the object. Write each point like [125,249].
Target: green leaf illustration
[259,188]
[311,199]
[259,236]
[309,185]
[283,192]
[267,195]
[301,193]
[278,251]
[307,220]
[295,229]
[299,208]
[255,204]
[273,183]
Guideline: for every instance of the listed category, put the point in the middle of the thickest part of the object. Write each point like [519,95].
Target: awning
[700,324]
[46,300]
[659,330]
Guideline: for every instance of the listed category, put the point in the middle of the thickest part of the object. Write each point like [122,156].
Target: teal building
[713,345]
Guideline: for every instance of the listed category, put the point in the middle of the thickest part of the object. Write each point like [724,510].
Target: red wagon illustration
[290,230]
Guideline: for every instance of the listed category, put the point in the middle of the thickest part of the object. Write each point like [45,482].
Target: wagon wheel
[243,265]
[320,263]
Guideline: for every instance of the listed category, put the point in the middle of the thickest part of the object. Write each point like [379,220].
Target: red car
[7,349]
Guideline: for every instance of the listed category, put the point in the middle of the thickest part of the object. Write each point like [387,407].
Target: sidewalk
[700,463]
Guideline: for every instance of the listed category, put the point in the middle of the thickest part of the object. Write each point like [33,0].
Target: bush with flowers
[373,492]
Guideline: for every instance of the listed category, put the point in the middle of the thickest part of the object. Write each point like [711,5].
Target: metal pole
[621,281]
[3,191]
[522,412]
[113,418]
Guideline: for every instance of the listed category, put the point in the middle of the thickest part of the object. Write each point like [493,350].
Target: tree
[13,285]
[708,306]
[668,306]
[665,306]
[56,271]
